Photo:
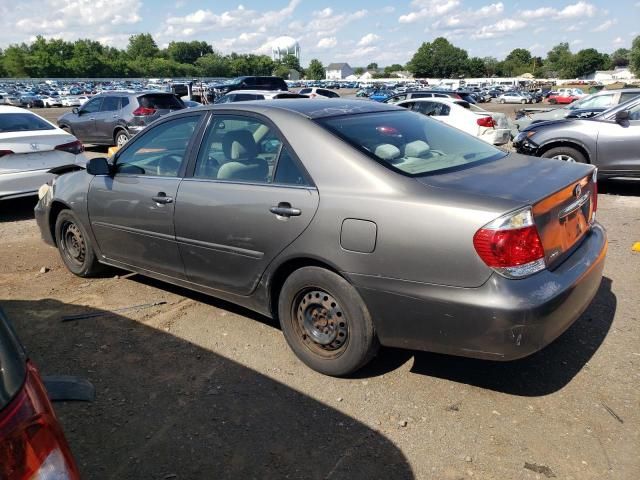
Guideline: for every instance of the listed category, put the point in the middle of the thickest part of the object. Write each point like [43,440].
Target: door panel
[84,124]
[619,146]
[227,234]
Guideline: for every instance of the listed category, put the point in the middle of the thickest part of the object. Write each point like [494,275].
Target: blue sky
[358,32]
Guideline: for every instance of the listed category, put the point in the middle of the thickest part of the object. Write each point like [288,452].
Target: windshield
[409,142]
[22,122]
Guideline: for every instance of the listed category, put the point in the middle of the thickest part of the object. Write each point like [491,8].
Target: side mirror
[75,110]
[622,116]
[98,166]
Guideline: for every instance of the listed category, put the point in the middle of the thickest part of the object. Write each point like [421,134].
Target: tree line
[84,58]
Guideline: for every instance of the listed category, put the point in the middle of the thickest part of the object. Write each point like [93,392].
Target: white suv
[247,95]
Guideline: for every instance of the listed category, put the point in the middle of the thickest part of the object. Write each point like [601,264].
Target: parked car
[514,97]
[32,443]
[70,101]
[112,118]
[566,95]
[251,83]
[49,101]
[609,140]
[31,101]
[380,95]
[29,147]
[13,100]
[583,108]
[248,95]
[395,99]
[471,277]
[314,92]
[459,114]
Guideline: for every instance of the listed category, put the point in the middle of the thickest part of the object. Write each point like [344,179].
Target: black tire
[570,154]
[119,136]
[75,246]
[345,340]
[553,101]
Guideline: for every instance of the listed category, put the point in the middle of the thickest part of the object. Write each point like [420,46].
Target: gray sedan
[609,140]
[354,223]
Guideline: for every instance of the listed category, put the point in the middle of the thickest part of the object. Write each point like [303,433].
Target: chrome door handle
[284,209]
[162,198]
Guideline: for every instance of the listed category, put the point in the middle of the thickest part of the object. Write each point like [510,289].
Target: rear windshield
[409,142]
[22,122]
[160,102]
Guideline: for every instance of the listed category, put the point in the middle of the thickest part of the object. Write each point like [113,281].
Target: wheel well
[549,146]
[54,211]
[118,129]
[282,273]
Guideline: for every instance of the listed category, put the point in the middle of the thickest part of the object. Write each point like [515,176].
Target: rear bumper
[497,136]
[501,320]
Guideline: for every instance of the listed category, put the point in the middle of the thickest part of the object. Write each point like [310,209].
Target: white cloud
[605,26]
[368,39]
[468,19]
[327,42]
[577,41]
[428,8]
[576,10]
[499,29]
[619,40]
[539,12]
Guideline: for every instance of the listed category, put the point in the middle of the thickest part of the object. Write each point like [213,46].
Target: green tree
[634,56]
[212,65]
[588,61]
[3,72]
[372,66]
[14,60]
[396,67]
[142,45]
[621,57]
[475,67]
[86,59]
[188,52]
[358,71]
[315,70]
[560,62]
[491,66]
[438,59]
[519,55]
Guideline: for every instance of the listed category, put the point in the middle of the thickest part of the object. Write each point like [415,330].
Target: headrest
[417,148]
[239,145]
[386,151]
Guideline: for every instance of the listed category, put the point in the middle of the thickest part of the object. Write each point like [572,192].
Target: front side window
[160,151]
[410,143]
[92,106]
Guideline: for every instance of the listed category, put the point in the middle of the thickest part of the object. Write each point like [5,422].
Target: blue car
[379,96]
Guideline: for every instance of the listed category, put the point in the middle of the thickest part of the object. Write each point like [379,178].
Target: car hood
[537,125]
[519,178]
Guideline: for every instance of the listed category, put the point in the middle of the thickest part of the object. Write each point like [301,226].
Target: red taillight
[5,152]
[32,444]
[313,95]
[144,111]
[486,122]
[72,147]
[511,245]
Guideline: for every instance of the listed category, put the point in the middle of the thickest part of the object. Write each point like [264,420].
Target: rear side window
[410,143]
[288,172]
[305,91]
[243,97]
[124,102]
[625,97]
[110,104]
[22,122]
[160,102]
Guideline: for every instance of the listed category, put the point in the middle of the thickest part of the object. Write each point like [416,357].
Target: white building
[338,71]
[283,46]
[610,76]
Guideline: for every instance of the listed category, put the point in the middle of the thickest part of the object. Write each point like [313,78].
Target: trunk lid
[34,141]
[560,194]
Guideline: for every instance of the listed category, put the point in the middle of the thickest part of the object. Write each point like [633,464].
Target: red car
[565,95]
[32,444]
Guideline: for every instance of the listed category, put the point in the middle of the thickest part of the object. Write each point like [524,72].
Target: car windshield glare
[409,142]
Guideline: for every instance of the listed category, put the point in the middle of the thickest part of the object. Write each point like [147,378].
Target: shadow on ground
[626,188]
[166,408]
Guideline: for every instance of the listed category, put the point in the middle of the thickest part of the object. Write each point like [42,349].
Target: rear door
[244,203]
[131,212]
[619,143]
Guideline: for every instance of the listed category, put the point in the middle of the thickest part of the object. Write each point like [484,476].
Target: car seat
[240,151]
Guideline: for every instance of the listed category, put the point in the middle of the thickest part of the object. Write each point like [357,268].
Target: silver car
[514,97]
[354,223]
[609,140]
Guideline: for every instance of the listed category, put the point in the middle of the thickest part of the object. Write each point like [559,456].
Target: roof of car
[257,92]
[318,108]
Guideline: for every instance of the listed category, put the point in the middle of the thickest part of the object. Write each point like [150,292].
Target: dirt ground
[199,388]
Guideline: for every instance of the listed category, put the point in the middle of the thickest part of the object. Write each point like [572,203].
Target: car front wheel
[325,322]
[566,154]
[121,138]
[75,246]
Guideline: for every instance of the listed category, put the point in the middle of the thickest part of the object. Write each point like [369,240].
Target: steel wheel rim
[320,322]
[121,139]
[564,158]
[73,244]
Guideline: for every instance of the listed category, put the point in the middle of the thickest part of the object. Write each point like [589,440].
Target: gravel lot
[198,388]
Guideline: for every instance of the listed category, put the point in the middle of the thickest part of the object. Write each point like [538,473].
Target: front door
[84,123]
[106,119]
[247,200]
[131,212]
[619,143]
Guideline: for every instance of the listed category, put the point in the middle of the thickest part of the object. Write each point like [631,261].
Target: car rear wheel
[121,137]
[502,100]
[523,102]
[553,101]
[75,246]
[566,154]
[325,322]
